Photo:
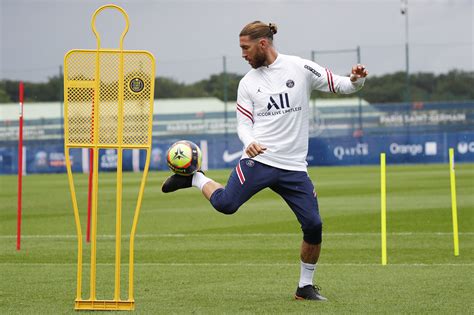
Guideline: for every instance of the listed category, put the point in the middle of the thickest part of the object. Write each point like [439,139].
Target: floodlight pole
[404,11]
[224,64]
[358,97]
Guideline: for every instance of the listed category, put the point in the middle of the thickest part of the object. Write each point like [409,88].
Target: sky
[189,39]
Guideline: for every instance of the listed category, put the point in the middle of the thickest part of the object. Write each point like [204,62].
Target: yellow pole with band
[118,220]
[108,103]
[454,207]
[95,172]
[383,207]
[72,190]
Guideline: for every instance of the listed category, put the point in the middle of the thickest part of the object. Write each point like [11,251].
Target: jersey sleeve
[245,120]
[324,80]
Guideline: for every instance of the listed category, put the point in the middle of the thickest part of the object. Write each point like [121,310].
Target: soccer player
[272,123]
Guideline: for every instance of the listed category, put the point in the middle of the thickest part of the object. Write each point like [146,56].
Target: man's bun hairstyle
[258,29]
[273,28]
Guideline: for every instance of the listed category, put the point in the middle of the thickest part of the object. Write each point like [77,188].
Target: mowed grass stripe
[276,264]
[176,235]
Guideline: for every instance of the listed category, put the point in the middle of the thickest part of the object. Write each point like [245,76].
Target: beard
[259,60]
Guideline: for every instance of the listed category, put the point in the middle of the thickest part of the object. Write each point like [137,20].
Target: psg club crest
[250,163]
[290,83]
[137,85]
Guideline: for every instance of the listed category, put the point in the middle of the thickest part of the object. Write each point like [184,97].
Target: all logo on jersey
[282,103]
[279,104]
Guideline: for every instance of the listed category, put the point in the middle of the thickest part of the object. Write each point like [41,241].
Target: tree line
[455,85]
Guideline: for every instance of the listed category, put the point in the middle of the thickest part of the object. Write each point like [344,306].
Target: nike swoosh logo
[230,157]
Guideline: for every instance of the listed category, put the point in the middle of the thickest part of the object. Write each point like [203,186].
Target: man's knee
[222,203]
[313,233]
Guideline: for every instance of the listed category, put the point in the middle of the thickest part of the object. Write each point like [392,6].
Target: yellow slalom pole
[453,202]
[383,207]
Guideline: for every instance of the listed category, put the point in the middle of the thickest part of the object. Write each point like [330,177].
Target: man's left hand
[358,71]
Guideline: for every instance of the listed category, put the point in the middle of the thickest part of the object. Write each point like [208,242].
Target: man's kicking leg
[198,180]
[246,179]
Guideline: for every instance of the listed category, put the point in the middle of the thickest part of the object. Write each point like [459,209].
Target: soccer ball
[184,158]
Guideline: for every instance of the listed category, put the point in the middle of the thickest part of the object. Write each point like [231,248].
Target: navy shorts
[295,187]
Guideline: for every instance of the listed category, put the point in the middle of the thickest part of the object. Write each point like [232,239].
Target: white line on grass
[178,235]
[243,264]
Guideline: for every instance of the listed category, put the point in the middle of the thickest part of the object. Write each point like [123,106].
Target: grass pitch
[191,259]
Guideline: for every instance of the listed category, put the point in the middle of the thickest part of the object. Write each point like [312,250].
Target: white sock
[199,180]
[306,275]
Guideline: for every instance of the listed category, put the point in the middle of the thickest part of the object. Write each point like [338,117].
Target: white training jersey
[273,108]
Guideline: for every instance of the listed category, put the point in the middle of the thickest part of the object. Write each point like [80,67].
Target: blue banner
[224,152]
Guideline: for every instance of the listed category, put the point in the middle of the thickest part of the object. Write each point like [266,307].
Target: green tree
[383,89]
[4,97]
[168,88]
[214,86]
[455,85]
